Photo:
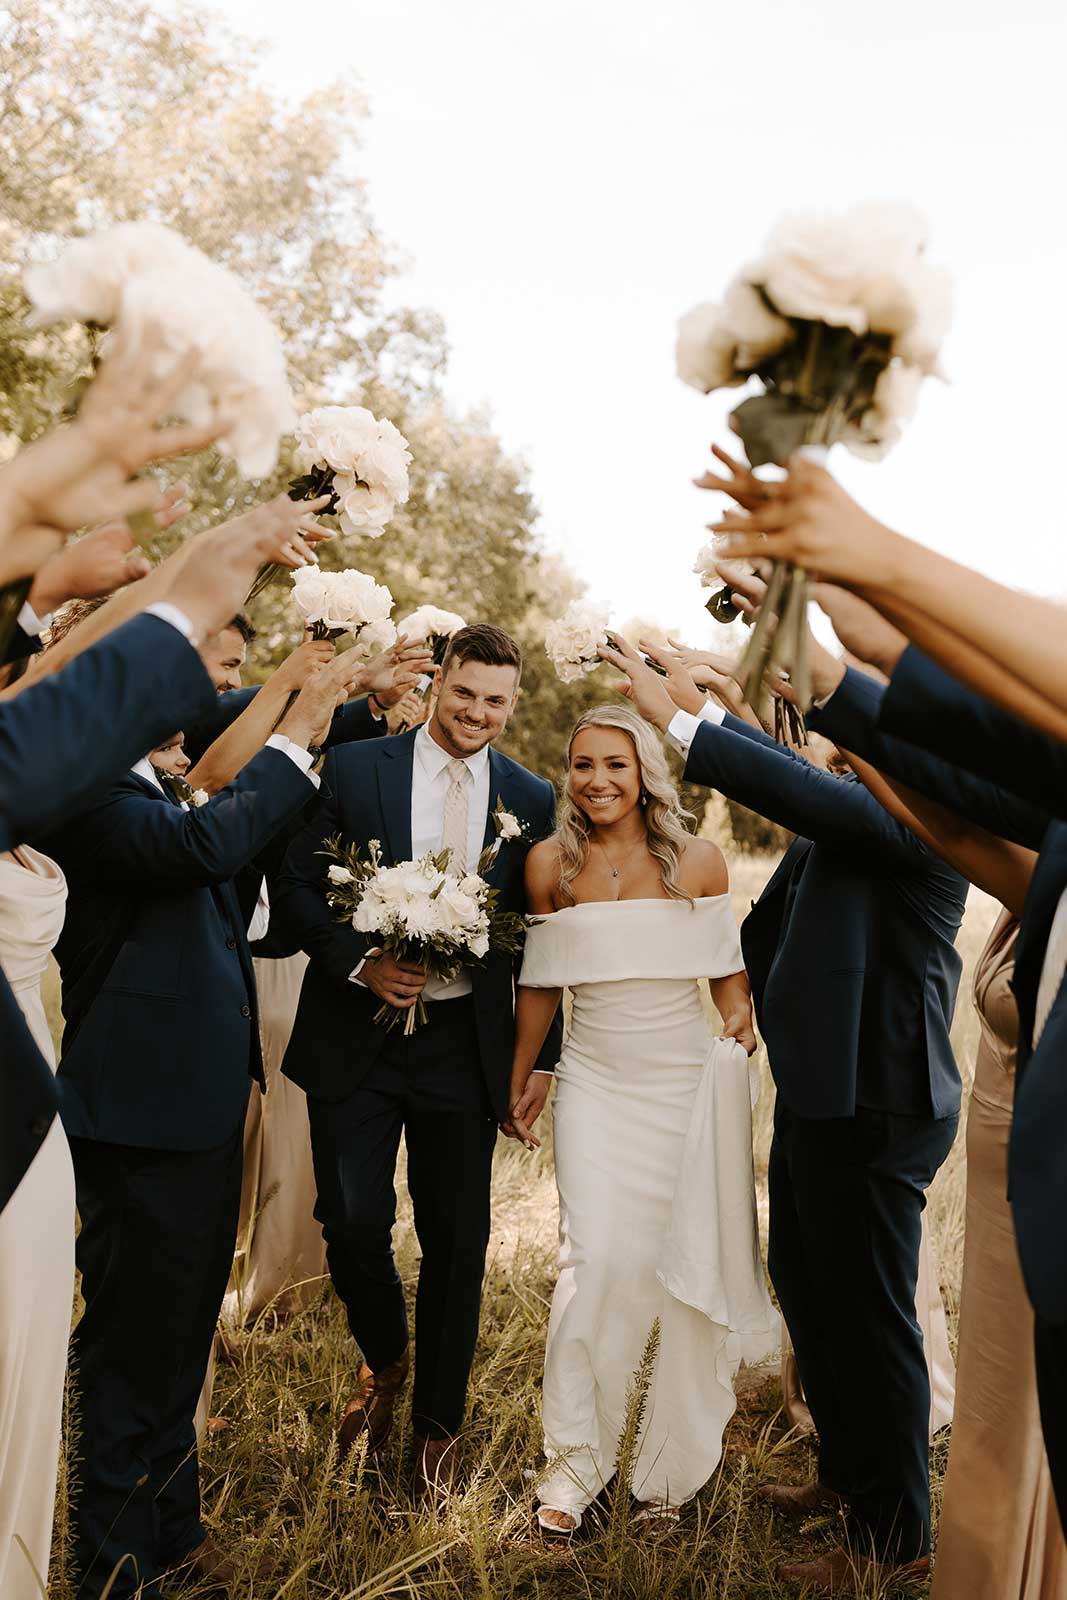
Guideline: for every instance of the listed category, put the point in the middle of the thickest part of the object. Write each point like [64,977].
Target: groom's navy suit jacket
[159,993]
[850,947]
[926,705]
[366,794]
[62,741]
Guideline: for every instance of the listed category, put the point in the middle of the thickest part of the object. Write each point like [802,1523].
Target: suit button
[246,1011]
[40,1126]
[231,944]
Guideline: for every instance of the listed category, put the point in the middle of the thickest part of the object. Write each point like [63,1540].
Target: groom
[446,1085]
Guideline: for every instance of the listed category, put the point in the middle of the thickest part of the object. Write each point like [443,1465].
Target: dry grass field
[305,1529]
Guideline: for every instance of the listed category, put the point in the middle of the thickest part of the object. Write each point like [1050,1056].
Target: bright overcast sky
[566,176]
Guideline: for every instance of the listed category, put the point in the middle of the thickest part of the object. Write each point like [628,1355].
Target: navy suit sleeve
[788,790]
[299,890]
[354,721]
[928,706]
[132,837]
[67,738]
[851,719]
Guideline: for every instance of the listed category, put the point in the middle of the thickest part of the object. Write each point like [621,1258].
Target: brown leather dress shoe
[842,1574]
[371,1409]
[436,1467]
[208,1564]
[800,1499]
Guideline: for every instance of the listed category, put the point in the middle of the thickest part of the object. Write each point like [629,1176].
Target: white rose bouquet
[420,911]
[361,459]
[838,320]
[571,643]
[432,626]
[141,272]
[332,603]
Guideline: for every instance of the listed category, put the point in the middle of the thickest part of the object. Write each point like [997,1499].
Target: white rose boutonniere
[198,798]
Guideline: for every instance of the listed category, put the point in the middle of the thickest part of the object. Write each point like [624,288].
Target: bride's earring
[644,797]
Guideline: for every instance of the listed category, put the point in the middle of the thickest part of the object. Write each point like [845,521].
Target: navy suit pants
[158,1229]
[1050,1348]
[431,1088]
[846,1202]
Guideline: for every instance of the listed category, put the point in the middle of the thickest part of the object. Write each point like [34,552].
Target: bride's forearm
[731,996]
[534,1013]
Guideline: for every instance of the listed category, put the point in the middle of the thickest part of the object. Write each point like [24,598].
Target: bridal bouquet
[332,603]
[571,643]
[839,320]
[359,460]
[420,911]
[141,273]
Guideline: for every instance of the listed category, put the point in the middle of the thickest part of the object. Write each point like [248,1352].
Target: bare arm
[1009,646]
[535,1009]
[1001,868]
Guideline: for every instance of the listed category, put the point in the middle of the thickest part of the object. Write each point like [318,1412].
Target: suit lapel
[504,790]
[395,765]
[1046,886]
[779,878]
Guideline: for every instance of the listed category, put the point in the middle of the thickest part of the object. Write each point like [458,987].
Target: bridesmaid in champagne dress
[36,1255]
[1000,1536]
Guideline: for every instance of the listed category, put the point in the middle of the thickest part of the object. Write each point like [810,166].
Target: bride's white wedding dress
[653,1147]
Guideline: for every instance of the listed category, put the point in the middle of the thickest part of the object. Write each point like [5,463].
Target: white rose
[198,798]
[704,350]
[360,510]
[571,643]
[368,915]
[472,885]
[139,273]
[340,875]
[895,397]
[756,331]
[704,565]
[462,908]
[430,622]
[510,826]
[311,592]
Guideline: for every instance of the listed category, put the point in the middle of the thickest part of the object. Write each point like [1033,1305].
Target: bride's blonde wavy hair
[665,818]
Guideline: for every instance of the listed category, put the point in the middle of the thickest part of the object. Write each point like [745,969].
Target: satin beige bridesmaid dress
[1000,1536]
[36,1255]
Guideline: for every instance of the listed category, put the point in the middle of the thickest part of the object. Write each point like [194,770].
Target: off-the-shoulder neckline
[633,900]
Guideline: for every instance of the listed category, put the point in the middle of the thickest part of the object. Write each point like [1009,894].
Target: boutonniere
[507,827]
[181,790]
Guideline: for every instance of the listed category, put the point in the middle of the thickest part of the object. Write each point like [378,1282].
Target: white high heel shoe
[554,1527]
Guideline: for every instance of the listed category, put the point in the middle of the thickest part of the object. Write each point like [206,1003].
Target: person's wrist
[826,673]
[44,596]
[297,727]
[686,697]
[377,705]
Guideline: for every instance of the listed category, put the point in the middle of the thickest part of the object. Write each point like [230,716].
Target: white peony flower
[369,458]
[430,622]
[896,395]
[139,273]
[571,643]
[340,875]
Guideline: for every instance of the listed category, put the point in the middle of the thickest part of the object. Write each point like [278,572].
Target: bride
[653,1128]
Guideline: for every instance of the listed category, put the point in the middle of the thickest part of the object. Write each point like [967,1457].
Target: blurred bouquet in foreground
[139,274]
[571,643]
[332,603]
[839,320]
[420,911]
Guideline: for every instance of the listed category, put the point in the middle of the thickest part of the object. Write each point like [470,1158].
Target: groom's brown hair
[482,642]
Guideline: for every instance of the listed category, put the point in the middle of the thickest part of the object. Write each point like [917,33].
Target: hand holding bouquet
[839,320]
[422,912]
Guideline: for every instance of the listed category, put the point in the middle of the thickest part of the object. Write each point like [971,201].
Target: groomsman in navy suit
[850,954]
[446,1086]
[160,1046]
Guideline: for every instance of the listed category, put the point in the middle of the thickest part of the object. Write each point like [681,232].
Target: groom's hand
[399,983]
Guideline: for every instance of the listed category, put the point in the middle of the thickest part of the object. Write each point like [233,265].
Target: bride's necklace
[614,870]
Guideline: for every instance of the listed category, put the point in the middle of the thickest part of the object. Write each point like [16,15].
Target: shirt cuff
[171,615]
[683,725]
[31,624]
[354,975]
[299,756]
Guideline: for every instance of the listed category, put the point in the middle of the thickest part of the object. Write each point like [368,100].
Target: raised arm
[1000,867]
[809,519]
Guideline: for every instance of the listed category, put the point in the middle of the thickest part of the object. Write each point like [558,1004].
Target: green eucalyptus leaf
[772,427]
[721,606]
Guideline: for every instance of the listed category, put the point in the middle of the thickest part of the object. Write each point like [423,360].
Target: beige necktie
[1052,969]
[454,832]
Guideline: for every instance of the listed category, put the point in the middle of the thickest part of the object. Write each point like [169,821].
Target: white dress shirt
[30,623]
[683,725]
[257,928]
[429,786]
[1052,969]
